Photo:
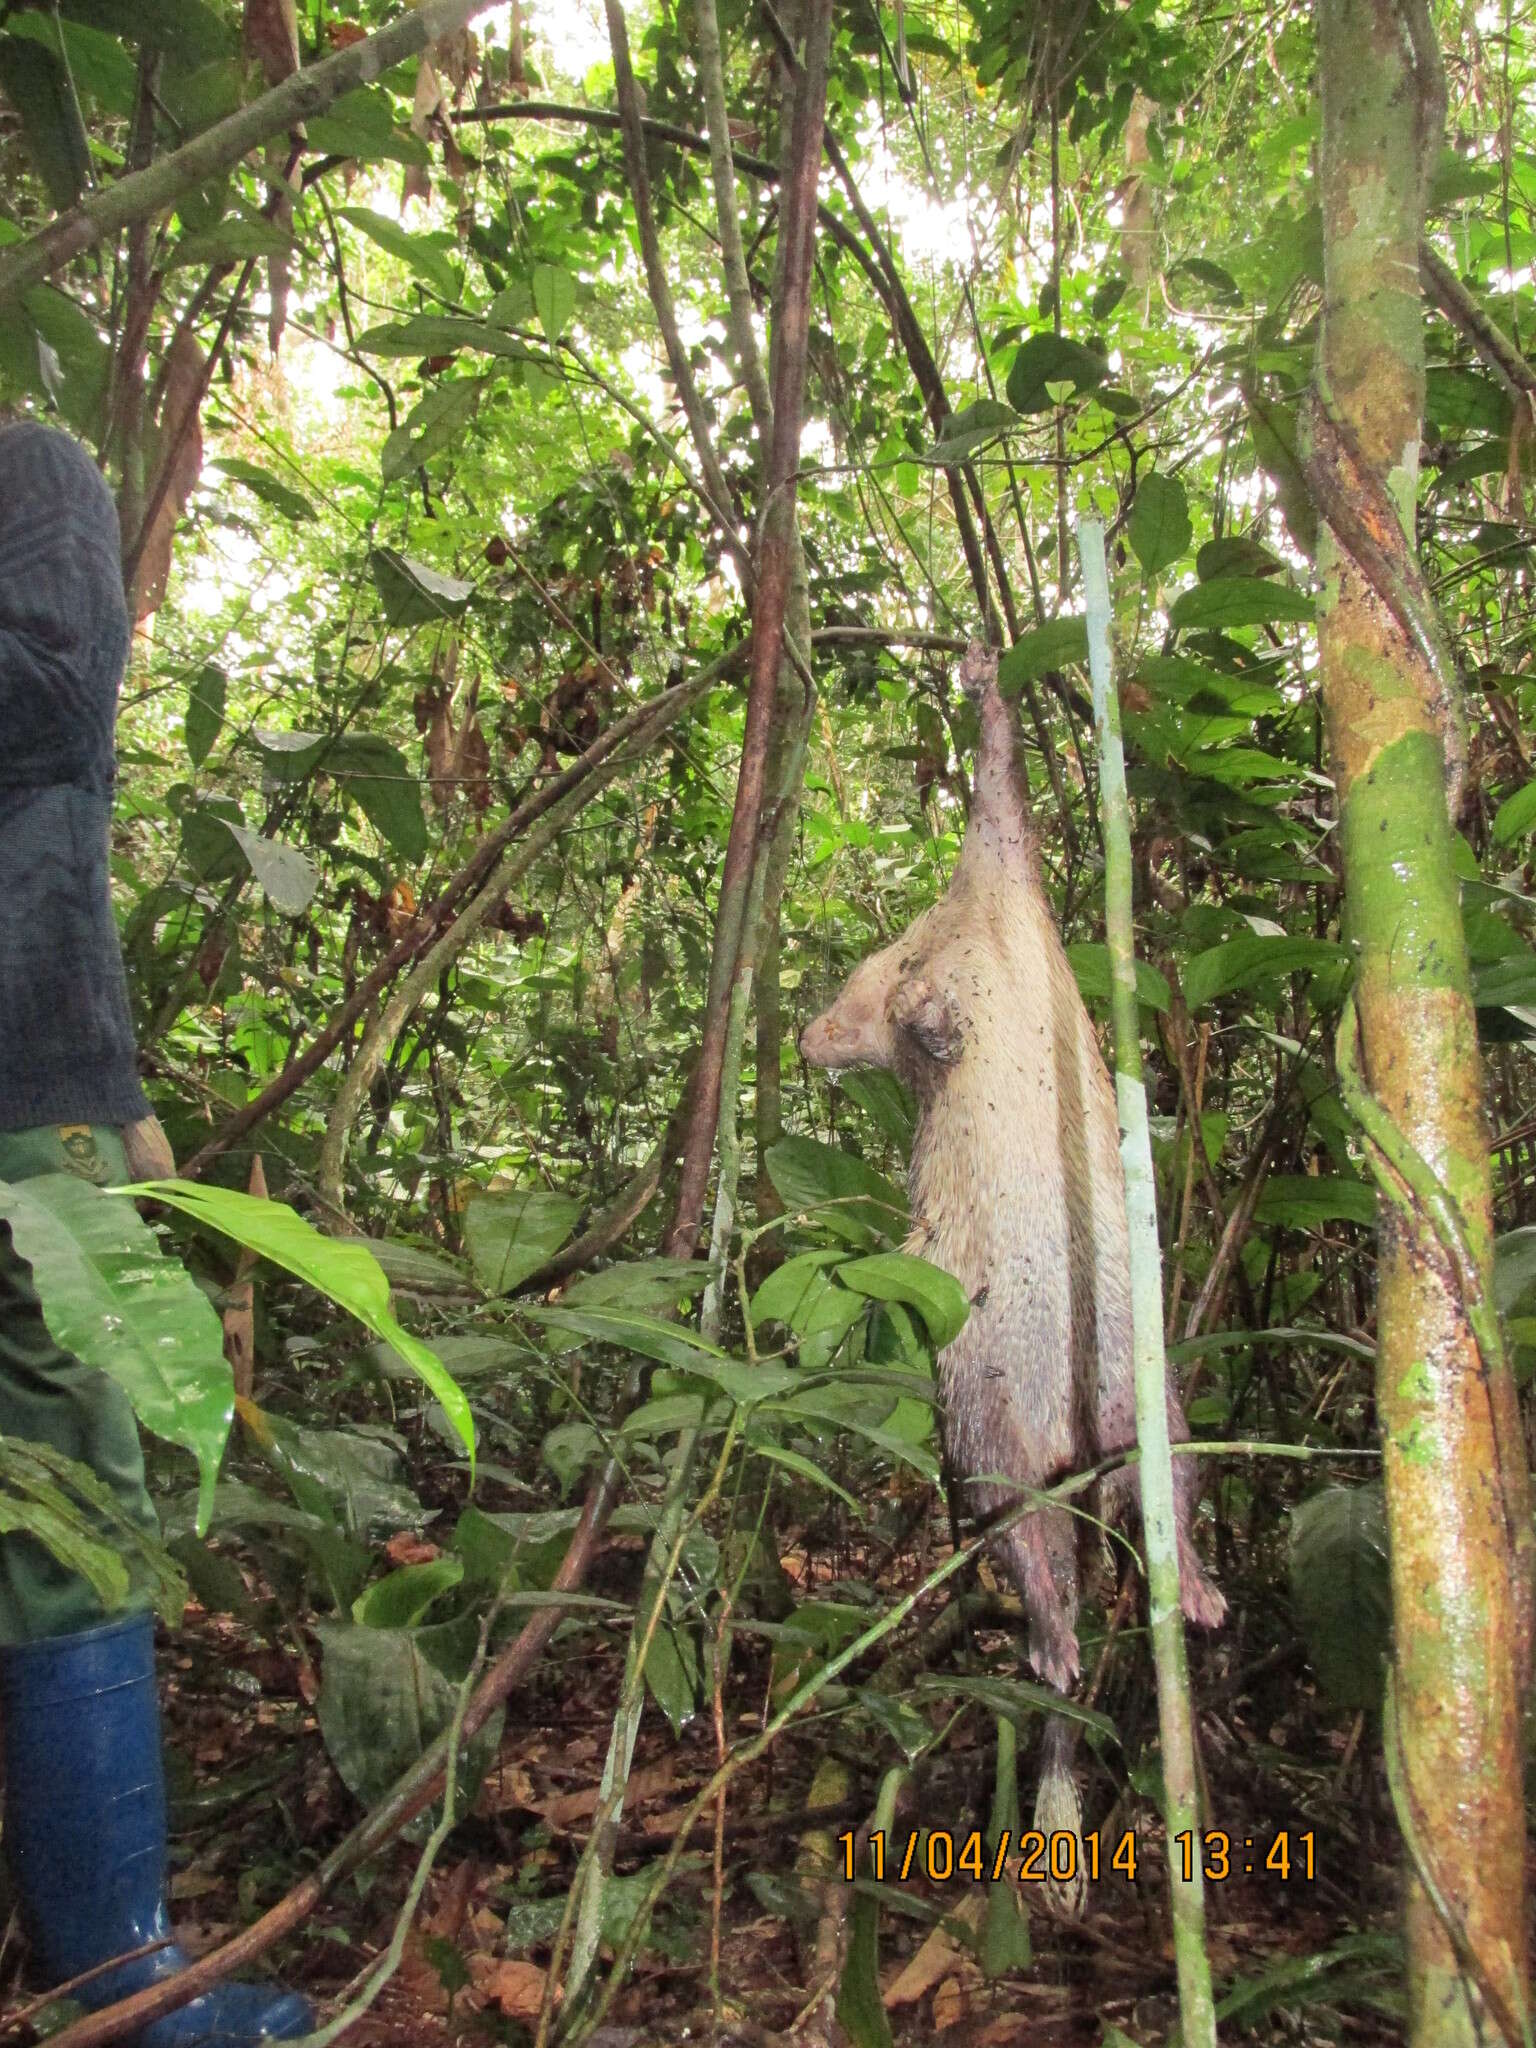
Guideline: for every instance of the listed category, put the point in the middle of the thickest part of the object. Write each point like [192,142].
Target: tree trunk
[1456,1480]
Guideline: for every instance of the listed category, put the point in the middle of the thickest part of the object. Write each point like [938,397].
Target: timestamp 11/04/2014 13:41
[932,1853]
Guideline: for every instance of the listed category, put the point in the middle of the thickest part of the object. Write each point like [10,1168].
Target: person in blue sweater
[85,1822]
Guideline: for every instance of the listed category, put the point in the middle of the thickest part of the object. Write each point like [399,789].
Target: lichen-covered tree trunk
[1456,1484]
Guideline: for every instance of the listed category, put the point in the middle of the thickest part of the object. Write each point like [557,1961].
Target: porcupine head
[1016,1188]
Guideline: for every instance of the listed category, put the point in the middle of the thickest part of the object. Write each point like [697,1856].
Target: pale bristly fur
[1016,1189]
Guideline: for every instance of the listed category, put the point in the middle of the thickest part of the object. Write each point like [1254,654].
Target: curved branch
[219,148]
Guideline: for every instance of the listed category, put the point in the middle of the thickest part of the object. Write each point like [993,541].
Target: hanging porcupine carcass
[1016,1189]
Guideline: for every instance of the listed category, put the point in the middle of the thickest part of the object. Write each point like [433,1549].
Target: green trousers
[48,1396]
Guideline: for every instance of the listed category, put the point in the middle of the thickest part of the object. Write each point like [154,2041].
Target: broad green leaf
[116,1302]
[381,1703]
[67,1508]
[1238,601]
[205,712]
[342,1477]
[425,254]
[362,124]
[1303,1201]
[647,1284]
[937,1296]
[1511,981]
[840,1192]
[413,594]
[1514,1271]
[1047,359]
[1235,554]
[1340,1591]
[1053,645]
[554,299]
[1159,529]
[286,875]
[35,82]
[789,1288]
[342,1267]
[1252,959]
[98,63]
[434,334]
[510,1236]
[237,238]
[270,489]
[1089,960]
[437,423]
[971,428]
[1516,815]
[401,1599]
[377,776]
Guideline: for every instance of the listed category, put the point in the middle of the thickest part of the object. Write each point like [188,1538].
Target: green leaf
[554,298]
[1303,1201]
[1340,1591]
[1089,960]
[111,1298]
[341,1267]
[236,239]
[75,1515]
[287,876]
[35,82]
[1235,554]
[1252,959]
[1053,645]
[281,497]
[971,428]
[1047,359]
[425,255]
[650,1285]
[438,422]
[510,1236]
[1238,601]
[1514,1271]
[381,1704]
[789,1289]
[204,713]
[98,63]
[1159,529]
[432,334]
[937,1296]
[362,124]
[380,780]
[1516,815]
[847,1197]
[401,1599]
[413,594]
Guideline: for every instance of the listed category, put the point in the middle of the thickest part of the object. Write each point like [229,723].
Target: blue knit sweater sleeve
[63,621]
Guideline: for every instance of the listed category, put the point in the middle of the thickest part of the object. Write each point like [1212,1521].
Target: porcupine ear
[929,1017]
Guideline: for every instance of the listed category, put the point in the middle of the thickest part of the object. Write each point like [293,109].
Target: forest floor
[254,1799]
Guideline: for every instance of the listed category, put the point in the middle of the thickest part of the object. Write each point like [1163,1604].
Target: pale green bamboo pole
[1175,1720]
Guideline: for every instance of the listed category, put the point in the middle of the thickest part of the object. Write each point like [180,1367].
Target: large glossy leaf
[426,254]
[111,1297]
[1090,967]
[381,1703]
[401,1599]
[204,714]
[510,1236]
[554,298]
[414,594]
[1159,529]
[1341,1591]
[1254,958]
[1052,359]
[838,1191]
[1238,601]
[937,1296]
[1052,645]
[287,876]
[1304,1201]
[342,1267]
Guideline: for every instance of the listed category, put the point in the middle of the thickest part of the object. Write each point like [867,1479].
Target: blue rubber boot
[85,1833]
